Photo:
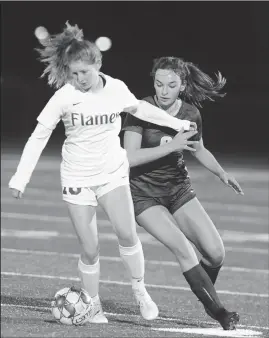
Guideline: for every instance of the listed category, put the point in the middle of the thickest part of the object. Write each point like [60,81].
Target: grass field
[40,253]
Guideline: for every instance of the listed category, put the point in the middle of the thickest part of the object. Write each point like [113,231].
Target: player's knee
[127,238]
[217,256]
[90,256]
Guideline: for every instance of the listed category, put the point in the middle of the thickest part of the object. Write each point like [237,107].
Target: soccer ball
[72,306]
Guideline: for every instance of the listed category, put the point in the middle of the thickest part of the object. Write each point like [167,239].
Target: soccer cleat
[98,316]
[210,313]
[228,320]
[148,309]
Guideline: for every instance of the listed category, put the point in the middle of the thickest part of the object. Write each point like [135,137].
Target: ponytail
[200,86]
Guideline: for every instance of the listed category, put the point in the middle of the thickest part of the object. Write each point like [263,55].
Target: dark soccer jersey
[160,177]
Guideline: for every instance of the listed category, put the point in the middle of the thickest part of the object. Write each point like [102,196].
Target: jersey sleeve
[51,113]
[150,113]
[131,123]
[30,156]
[128,98]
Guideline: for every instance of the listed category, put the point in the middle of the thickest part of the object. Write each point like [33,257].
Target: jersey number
[72,191]
[165,139]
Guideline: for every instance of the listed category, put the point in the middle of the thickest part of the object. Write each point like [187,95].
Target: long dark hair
[199,85]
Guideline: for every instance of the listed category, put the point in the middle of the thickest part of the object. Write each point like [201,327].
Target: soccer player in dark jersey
[165,203]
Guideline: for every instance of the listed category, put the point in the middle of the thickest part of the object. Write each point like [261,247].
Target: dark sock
[203,288]
[211,271]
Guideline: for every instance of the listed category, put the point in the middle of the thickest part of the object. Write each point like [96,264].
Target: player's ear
[98,65]
[183,86]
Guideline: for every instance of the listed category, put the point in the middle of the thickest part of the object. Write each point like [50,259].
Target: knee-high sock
[211,271]
[89,275]
[133,260]
[203,288]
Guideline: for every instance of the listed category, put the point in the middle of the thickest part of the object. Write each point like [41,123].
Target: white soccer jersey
[91,151]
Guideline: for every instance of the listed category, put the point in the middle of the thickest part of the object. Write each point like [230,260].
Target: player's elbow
[131,157]
[199,150]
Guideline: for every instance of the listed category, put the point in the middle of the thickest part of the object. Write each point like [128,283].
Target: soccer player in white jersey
[94,166]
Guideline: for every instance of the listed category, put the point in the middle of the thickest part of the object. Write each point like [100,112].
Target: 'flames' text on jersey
[160,177]
[91,151]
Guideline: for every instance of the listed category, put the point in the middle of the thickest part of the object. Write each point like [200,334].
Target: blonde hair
[62,49]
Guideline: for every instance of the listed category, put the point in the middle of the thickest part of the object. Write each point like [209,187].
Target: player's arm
[208,160]
[29,158]
[133,131]
[47,121]
[136,155]
[149,113]
[204,156]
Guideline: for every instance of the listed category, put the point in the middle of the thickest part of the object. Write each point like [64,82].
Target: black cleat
[228,320]
[210,313]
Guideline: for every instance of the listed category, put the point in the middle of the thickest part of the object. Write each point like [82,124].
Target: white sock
[96,299]
[89,275]
[133,260]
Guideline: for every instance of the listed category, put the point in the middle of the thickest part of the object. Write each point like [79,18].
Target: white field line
[113,314]
[118,259]
[242,219]
[247,250]
[45,218]
[227,235]
[52,164]
[46,235]
[211,332]
[105,223]
[212,206]
[111,282]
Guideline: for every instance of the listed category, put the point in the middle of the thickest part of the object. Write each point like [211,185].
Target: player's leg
[82,211]
[158,221]
[117,202]
[197,226]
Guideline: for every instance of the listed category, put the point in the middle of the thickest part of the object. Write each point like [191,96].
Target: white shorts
[90,195]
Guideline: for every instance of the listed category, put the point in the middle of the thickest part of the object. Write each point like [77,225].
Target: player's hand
[16,193]
[181,141]
[231,182]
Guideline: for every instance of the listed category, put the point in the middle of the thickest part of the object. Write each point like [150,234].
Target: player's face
[83,75]
[167,86]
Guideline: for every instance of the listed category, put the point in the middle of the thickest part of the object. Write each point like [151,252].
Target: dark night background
[228,36]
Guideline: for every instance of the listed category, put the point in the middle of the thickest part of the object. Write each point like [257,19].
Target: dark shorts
[184,194]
